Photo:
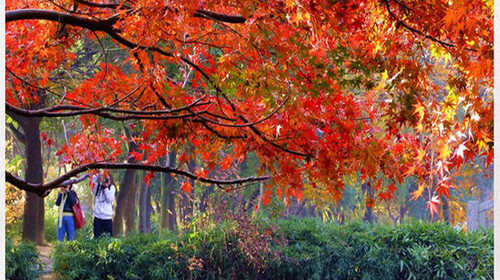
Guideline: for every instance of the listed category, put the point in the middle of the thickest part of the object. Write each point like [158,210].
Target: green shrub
[50,224]
[21,260]
[296,249]
[14,231]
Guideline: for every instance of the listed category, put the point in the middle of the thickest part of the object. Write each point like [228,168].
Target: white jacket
[103,206]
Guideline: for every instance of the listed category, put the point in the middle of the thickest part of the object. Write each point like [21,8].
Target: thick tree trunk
[127,188]
[127,192]
[33,219]
[34,211]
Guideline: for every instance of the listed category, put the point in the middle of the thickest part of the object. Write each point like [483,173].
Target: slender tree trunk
[164,197]
[143,207]
[367,188]
[130,210]
[261,195]
[149,209]
[402,213]
[446,209]
[254,197]
[172,214]
[168,213]
[187,198]
[203,200]
[206,195]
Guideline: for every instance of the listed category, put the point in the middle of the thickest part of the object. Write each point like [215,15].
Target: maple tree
[318,90]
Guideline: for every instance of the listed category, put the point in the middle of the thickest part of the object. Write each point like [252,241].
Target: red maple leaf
[187,187]
[433,205]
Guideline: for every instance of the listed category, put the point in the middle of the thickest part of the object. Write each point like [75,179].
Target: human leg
[98,227]
[60,231]
[108,226]
[70,227]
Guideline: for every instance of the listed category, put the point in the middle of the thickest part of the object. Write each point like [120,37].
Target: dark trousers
[102,226]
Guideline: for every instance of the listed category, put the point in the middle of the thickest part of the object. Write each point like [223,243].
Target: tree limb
[199,13]
[72,110]
[87,23]
[413,30]
[18,134]
[42,188]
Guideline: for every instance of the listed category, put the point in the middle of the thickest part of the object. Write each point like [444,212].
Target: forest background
[349,110]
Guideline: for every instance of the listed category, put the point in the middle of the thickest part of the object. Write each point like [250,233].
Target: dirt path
[44,255]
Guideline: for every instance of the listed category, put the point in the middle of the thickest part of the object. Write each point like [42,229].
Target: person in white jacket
[104,193]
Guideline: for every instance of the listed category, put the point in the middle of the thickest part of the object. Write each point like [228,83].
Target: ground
[44,253]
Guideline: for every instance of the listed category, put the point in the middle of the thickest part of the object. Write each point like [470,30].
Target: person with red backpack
[66,198]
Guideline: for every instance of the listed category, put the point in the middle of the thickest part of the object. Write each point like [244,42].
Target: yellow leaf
[418,193]
[482,145]
[444,152]
[420,127]
[421,154]
[419,110]
[381,85]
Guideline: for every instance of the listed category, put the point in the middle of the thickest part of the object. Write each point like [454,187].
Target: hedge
[21,261]
[294,249]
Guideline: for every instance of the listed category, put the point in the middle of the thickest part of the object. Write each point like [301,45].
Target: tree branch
[138,115]
[220,135]
[413,30]
[18,134]
[72,110]
[41,188]
[68,182]
[245,124]
[219,16]
[199,13]
[87,23]
[99,5]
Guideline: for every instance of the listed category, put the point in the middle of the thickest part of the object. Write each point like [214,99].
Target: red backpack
[78,214]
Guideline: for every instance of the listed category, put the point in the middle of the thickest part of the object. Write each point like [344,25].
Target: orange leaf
[186,187]
[418,193]
[226,163]
[421,154]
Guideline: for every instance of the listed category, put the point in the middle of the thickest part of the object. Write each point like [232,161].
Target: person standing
[104,193]
[66,198]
